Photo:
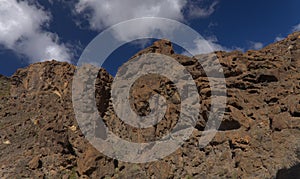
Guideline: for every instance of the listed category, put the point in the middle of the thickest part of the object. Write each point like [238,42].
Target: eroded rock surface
[259,136]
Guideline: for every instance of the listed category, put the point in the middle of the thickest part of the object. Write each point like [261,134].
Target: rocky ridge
[259,136]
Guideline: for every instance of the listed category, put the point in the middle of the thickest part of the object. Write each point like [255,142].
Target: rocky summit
[259,136]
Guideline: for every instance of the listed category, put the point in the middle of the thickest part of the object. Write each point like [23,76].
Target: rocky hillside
[259,136]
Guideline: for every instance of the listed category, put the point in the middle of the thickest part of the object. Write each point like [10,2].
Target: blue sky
[33,31]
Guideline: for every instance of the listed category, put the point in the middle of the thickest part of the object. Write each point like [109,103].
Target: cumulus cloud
[256,45]
[21,30]
[103,13]
[44,46]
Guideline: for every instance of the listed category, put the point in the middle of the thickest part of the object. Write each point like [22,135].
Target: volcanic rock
[259,136]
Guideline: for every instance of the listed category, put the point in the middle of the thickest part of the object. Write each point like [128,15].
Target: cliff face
[259,136]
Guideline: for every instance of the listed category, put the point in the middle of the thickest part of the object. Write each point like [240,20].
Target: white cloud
[21,27]
[296,28]
[42,47]
[212,24]
[293,29]
[194,11]
[18,20]
[279,38]
[256,45]
[213,44]
[205,46]
[104,13]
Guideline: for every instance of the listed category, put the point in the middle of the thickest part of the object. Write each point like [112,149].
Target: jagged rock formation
[259,136]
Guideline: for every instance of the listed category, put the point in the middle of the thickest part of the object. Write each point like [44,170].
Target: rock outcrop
[259,136]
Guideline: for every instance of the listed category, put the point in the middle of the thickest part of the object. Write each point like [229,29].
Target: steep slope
[259,136]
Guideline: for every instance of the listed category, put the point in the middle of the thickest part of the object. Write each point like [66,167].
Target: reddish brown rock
[258,137]
[35,163]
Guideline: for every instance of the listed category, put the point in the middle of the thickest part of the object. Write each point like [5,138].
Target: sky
[35,31]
